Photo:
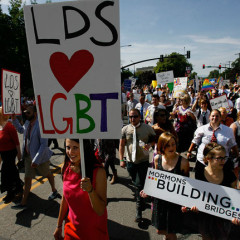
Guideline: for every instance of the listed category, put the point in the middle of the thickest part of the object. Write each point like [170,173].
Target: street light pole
[129,45]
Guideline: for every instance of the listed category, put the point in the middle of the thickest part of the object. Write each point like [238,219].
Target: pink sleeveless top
[87,223]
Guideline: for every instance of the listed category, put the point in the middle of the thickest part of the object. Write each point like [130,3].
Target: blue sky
[208,28]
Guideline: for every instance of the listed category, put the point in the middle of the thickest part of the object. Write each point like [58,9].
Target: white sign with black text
[210,198]
[165,77]
[220,101]
[11,99]
[74,50]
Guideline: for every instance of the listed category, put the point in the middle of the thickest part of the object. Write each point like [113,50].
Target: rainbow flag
[207,85]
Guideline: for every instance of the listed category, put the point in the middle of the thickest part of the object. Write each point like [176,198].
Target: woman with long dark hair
[83,205]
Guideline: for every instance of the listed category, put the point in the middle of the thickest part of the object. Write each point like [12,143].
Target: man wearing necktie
[36,154]
[137,137]
[151,109]
[142,106]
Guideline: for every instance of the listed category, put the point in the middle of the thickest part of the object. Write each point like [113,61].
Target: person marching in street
[142,106]
[36,153]
[151,109]
[131,103]
[214,131]
[83,205]
[9,150]
[202,114]
[167,216]
[138,138]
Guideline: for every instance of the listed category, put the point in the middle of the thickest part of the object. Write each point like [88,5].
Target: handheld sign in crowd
[75,57]
[74,51]
[180,85]
[11,92]
[165,77]
[220,101]
[210,198]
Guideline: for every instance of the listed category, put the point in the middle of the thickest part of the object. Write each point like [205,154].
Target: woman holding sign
[167,216]
[84,199]
[212,227]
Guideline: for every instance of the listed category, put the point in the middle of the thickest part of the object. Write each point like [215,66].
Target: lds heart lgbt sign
[74,51]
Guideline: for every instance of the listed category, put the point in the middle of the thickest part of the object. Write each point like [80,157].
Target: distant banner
[165,77]
[11,93]
[180,86]
[210,198]
[220,101]
[207,85]
[127,84]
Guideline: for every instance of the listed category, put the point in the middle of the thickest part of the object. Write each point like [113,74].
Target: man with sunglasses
[138,138]
[36,154]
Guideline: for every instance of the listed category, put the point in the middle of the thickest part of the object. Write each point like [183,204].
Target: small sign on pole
[165,77]
[11,92]
[220,101]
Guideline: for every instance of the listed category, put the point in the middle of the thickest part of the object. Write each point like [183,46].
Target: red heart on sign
[69,72]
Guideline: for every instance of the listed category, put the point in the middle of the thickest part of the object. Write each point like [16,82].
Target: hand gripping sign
[75,57]
[207,197]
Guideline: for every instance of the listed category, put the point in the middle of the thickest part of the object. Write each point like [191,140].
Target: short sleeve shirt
[145,133]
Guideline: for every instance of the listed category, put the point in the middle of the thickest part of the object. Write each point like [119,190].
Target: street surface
[38,222]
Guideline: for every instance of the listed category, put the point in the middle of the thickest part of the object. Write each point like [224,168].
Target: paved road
[39,220]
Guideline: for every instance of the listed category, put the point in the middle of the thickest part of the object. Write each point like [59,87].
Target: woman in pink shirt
[84,199]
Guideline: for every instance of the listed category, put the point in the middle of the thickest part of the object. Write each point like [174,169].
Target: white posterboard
[164,77]
[197,83]
[210,198]
[11,92]
[226,82]
[220,101]
[75,57]
[180,86]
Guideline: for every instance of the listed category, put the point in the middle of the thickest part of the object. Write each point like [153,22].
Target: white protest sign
[197,83]
[75,57]
[226,82]
[210,198]
[220,101]
[11,92]
[180,86]
[165,77]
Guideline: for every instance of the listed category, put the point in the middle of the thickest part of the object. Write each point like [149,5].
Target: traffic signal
[161,58]
[219,66]
[188,54]
[203,66]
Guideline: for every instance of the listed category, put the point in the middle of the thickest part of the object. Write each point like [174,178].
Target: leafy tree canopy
[175,62]
[214,74]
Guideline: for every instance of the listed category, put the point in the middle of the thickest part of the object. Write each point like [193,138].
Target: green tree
[125,74]
[214,74]
[175,62]
[192,75]
[14,51]
[145,78]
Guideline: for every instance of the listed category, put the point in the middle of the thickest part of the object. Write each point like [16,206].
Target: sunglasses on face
[27,112]
[133,116]
[220,158]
